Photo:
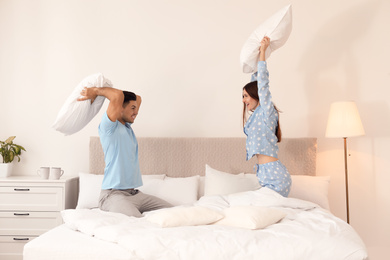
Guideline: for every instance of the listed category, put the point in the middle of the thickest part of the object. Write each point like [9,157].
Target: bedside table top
[36,179]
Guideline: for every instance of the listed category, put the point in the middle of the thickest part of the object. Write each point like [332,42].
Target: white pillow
[184,216]
[90,186]
[177,191]
[202,181]
[148,177]
[311,188]
[74,115]
[277,27]
[221,183]
[251,217]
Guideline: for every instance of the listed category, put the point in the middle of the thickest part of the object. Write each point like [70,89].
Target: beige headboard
[183,157]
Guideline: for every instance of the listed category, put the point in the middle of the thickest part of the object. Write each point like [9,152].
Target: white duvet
[306,232]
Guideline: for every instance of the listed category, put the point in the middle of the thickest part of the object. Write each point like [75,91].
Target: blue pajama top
[261,125]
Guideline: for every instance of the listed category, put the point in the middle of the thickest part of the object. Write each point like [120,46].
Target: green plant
[9,150]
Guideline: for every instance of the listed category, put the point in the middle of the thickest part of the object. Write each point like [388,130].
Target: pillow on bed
[250,217]
[184,216]
[74,115]
[90,186]
[222,183]
[177,191]
[147,177]
[277,27]
[311,188]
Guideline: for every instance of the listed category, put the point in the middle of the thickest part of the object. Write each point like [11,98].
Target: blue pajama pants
[275,176]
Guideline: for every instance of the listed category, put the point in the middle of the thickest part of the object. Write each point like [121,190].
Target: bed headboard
[183,157]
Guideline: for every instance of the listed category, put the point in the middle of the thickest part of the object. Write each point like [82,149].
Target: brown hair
[251,89]
[128,96]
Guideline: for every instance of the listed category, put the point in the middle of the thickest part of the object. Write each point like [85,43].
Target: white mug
[56,173]
[44,172]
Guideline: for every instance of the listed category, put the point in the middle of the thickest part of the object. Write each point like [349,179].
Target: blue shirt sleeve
[106,126]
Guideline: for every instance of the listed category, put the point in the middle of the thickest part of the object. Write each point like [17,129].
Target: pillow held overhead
[75,115]
[277,27]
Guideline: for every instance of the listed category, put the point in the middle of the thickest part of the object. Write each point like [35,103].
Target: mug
[56,173]
[44,172]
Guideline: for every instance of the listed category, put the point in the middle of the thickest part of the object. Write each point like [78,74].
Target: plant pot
[5,169]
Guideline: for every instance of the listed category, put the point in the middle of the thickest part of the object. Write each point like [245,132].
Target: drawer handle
[21,239]
[21,189]
[21,214]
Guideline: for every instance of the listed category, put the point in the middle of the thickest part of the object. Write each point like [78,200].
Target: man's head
[130,107]
[128,97]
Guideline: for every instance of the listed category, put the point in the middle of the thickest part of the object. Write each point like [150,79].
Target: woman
[262,129]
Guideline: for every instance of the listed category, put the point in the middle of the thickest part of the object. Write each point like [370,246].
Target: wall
[182,57]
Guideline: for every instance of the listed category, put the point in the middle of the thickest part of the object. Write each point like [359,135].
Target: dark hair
[251,89]
[128,96]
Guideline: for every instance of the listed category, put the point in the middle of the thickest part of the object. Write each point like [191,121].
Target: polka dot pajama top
[261,138]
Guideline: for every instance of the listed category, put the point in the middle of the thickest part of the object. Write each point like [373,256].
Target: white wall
[182,57]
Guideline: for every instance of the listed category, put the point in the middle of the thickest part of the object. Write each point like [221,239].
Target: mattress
[303,231]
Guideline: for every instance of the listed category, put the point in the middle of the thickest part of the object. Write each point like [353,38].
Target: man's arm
[116,97]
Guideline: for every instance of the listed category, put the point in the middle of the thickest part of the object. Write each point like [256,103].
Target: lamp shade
[344,120]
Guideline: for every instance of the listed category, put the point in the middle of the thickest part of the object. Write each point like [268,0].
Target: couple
[122,173]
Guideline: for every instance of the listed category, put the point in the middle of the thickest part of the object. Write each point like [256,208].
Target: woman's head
[250,98]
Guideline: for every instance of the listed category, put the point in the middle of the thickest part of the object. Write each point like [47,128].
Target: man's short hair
[129,96]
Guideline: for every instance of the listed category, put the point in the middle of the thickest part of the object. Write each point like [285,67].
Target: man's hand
[88,93]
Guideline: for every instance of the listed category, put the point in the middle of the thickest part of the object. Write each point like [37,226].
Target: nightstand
[30,206]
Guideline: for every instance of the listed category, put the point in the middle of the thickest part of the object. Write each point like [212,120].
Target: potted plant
[9,151]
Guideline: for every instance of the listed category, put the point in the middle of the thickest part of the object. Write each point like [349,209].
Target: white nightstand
[29,206]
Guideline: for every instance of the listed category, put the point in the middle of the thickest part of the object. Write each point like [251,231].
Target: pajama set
[261,138]
[122,172]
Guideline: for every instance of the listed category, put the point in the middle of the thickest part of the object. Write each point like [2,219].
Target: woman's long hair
[251,89]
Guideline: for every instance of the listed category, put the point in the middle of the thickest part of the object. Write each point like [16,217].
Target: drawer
[26,198]
[11,247]
[28,223]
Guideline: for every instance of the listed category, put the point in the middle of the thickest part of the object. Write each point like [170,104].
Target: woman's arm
[264,45]
[265,96]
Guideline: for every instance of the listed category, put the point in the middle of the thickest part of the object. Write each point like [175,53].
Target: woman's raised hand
[264,45]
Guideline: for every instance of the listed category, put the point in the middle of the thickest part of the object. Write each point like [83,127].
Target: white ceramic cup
[56,173]
[44,172]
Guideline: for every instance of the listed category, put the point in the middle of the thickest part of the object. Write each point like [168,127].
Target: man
[122,173]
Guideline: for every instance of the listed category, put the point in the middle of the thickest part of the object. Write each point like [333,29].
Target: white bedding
[306,232]
[62,243]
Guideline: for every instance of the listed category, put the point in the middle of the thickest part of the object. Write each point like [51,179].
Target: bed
[220,211]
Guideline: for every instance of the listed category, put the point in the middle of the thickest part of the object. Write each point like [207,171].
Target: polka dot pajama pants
[275,176]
